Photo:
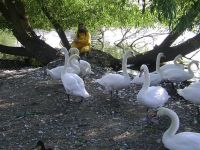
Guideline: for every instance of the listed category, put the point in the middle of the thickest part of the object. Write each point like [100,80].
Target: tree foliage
[102,13]
[179,15]
[170,11]
[96,14]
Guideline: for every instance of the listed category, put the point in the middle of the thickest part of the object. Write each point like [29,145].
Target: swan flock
[151,94]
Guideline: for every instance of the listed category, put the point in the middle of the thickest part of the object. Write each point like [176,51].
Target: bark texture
[14,13]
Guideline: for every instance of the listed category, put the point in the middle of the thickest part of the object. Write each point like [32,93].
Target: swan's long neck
[158,65]
[124,65]
[173,126]
[70,64]
[146,82]
[189,68]
[66,58]
[176,60]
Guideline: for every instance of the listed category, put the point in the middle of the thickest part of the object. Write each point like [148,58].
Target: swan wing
[72,70]
[190,93]
[74,85]
[184,141]
[155,79]
[85,67]
[55,73]
[114,81]
[176,75]
[195,84]
[138,80]
[154,96]
[171,66]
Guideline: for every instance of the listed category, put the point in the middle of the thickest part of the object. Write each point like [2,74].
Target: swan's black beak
[133,53]
[197,65]
[141,72]
[164,56]
[79,59]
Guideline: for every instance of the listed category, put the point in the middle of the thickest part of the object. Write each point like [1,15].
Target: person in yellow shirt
[82,40]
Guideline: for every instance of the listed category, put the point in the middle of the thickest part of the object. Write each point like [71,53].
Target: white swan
[72,83]
[176,65]
[113,82]
[179,75]
[85,67]
[55,73]
[191,93]
[195,84]
[72,67]
[180,141]
[151,96]
[155,77]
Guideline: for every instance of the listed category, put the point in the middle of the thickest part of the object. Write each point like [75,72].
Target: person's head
[82,28]
[81,25]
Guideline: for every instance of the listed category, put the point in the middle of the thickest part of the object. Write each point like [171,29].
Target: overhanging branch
[149,57]
[19,51]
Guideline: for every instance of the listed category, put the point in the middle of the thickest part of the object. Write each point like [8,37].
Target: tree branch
[184,22]
[149,57]
[20,51]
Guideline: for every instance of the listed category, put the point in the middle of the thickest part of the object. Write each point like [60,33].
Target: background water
[141,39]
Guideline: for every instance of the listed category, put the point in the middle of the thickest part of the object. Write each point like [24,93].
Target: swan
[151,96]
[72,67]
[195,84]
[191,93]
[179,75]
[113,82]
[72,83]
[85,67]
[155,77]
[180,141]
[55,73]
[174,66]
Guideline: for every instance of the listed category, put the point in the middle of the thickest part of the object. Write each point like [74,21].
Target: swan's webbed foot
[198,114]
[68,97]
[117,92]
[111,95]
[81,100]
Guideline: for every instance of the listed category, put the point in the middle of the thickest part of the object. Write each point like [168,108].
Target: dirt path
[34,108]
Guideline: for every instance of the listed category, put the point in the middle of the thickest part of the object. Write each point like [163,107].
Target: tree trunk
[149,57]
[55,24]
[14,13]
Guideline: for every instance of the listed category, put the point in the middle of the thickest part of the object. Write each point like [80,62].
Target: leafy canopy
[95,13]
[106,13]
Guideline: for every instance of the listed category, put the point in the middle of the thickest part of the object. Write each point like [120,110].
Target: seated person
[82,40]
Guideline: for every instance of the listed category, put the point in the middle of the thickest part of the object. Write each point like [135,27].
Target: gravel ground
[33,107]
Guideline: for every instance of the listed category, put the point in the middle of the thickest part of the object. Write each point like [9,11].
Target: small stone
[158,140]
[40,132]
